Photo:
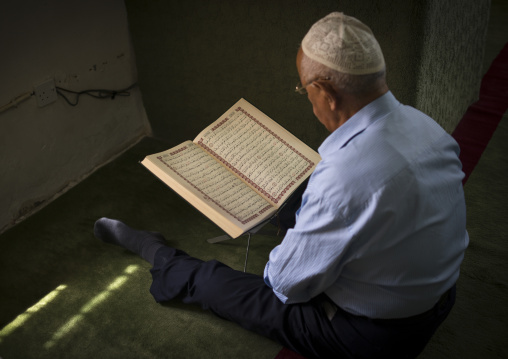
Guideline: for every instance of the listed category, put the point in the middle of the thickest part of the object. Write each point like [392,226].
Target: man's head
[342,67]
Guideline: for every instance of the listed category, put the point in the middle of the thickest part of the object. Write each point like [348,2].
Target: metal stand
[225,237]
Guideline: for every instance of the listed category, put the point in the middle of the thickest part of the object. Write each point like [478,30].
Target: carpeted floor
[87,299]
[64,294]
[478,325]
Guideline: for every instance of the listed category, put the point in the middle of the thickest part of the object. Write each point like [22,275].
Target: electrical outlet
[45,93]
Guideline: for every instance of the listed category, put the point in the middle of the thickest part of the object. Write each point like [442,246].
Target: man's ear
[329,92]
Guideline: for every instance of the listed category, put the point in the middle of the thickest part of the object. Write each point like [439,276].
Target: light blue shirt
[382,226]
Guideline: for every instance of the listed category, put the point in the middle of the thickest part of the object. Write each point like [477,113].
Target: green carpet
[64,294]
[477,327]
[87,299]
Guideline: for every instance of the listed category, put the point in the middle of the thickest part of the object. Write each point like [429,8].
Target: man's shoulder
[386,149]
[366,162]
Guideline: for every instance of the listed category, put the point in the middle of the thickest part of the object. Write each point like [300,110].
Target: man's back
[383,216]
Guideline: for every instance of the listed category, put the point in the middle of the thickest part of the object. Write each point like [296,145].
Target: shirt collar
[358,123]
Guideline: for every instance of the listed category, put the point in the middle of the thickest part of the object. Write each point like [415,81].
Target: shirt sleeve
[310,258]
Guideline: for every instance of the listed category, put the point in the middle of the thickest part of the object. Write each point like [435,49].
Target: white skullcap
[345,44]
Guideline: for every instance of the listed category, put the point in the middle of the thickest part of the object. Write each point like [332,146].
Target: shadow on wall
[196,59]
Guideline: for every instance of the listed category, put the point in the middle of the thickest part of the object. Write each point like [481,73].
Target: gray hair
[349,83]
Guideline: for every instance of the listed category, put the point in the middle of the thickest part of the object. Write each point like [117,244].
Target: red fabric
[285,353]
[480,121]
[475,129]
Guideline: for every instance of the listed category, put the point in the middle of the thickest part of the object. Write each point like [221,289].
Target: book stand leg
[225,237]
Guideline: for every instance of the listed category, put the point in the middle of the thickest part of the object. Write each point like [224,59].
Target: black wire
[98,94]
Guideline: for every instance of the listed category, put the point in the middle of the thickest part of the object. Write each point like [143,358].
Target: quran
[239,170]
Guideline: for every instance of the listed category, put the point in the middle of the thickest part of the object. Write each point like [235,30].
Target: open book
[239,170]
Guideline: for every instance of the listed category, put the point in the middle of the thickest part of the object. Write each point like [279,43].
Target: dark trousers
[305,328]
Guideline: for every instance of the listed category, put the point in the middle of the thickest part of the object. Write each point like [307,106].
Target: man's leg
[305,327]
[246,300]
[234,295]
[143,243]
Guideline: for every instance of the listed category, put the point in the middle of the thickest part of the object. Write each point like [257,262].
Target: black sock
[142,243]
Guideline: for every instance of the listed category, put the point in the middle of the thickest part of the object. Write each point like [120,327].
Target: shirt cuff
[265,276]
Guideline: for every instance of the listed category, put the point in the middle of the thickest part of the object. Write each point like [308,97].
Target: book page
[261,152]
[197,173]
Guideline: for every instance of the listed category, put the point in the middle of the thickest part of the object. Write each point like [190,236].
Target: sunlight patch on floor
[90,305]
[22,318]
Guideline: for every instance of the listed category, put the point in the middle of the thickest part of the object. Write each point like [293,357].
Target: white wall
[82,45]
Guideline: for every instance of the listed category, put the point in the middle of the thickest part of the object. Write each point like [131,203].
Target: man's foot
[143,243]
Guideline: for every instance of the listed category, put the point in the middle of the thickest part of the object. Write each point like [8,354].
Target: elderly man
[369,268]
